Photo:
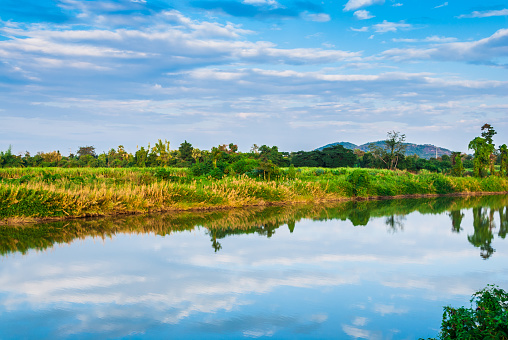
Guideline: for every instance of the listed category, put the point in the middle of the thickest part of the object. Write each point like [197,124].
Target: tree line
[266,160]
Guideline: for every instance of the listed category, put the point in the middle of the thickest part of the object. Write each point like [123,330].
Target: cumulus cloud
[183,44]
[361,29]
[352,5]
[363,14]
[485,14]
[486,51]
[387,26]
[319,17]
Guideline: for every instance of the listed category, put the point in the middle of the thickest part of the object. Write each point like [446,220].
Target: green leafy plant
[486,319]
[360,181]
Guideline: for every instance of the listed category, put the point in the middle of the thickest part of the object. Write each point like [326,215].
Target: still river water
[354,270]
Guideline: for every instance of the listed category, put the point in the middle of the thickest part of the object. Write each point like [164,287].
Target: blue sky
[296,74]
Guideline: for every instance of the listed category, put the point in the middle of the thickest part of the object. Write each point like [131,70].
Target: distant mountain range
[422,150]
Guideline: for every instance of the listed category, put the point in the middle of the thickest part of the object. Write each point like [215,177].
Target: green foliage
[86,151]
[168,175]
[269,170]
[360,181]
[443,184]
[331,157]
[29,202]
[245,165]
[487,319]
[503,153]
[273,155]
[186,152]
[458,167]
[392,151]
[291,172]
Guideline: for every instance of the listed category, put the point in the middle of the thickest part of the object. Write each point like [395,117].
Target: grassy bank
[59,193]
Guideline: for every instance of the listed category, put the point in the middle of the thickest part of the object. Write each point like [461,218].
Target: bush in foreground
[488,319]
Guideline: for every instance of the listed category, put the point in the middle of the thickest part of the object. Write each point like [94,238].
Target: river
[350,270]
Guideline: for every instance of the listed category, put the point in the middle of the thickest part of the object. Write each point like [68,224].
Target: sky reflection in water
[388,279]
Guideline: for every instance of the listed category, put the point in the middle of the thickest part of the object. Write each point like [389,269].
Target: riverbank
[35,194]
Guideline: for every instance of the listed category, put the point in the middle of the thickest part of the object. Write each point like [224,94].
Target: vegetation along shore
[157,179]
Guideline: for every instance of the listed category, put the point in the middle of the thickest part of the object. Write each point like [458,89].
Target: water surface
[354,270]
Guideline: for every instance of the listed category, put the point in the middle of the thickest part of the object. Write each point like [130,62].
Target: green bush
[360,181]
[488,319]
[442,184]
[244,165]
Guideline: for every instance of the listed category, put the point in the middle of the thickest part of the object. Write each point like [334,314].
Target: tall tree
[457,166]
[186,151]
[488,132]
[393,151]
[503,152]
[86,150]
[481,155]
[162,152]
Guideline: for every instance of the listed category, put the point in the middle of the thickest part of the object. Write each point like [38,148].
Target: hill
[426,151]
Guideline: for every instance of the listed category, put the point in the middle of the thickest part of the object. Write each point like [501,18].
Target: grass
[61,193]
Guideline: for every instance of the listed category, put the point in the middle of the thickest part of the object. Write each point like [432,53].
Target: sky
[296,74]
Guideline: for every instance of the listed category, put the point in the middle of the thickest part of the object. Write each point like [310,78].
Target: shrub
[360,181]
[442,184]
[487,320]
[244,165]
[319,172]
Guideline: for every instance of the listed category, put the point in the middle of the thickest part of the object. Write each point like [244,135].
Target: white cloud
[360,321]
[362,29]
[272,3]
[387,26]
[352,5]
[439,39]
[319,17]
[434,38]
[486,14]
[363,14]
[389,309]
[486,50]
[398,4]
[442,5]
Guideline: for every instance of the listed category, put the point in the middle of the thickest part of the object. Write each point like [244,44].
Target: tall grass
[79,192]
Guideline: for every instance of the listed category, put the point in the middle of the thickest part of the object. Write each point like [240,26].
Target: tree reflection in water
[456,216]
[265,221]
[395,222]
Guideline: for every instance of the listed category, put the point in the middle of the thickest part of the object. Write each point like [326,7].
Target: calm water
[366,270]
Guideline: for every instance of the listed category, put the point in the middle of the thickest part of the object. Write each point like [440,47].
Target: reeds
[78,192]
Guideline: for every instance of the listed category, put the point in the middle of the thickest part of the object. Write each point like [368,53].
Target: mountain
[422,150]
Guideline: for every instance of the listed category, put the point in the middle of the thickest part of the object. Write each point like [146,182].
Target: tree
[488,132]
[272,154]
[7,159]
[254,149]
[457,166]
[503,152]
[161,151]
[331,157]
[86,150]
[196,154]
[141,156]
[394,149]
[482,152]
[186,151]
